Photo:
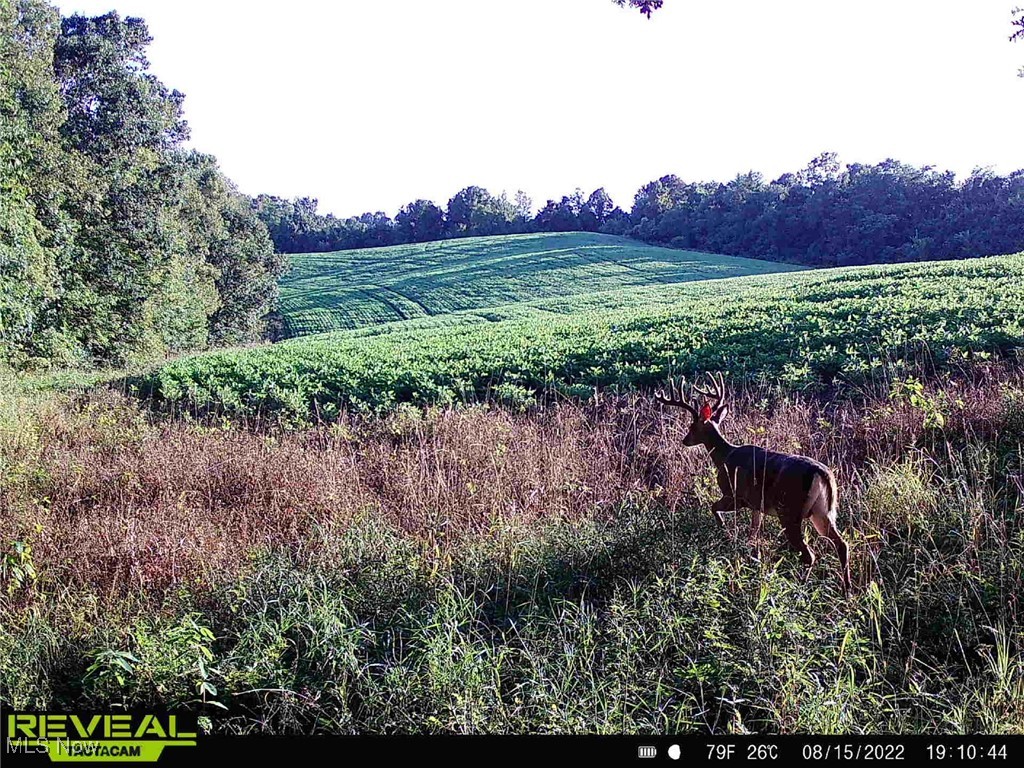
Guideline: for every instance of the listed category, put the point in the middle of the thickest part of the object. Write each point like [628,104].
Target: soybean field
[369,286]
[802,329]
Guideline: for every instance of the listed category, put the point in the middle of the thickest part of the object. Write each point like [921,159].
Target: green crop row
[353,289]
[798,328]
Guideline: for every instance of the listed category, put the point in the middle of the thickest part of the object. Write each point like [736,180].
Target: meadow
[368,286]
[478,570]
[803,329]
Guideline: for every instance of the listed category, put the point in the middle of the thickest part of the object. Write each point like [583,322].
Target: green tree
[596,210]
[419,222]
[122,126]
[563,216]
[30,115]
[115,244]
[658,196]
[522,206]
[475,211]
[225,256]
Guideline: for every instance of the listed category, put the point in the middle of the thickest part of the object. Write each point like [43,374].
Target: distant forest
[827,214]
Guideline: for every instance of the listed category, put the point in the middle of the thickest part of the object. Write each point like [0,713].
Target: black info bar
[619,750]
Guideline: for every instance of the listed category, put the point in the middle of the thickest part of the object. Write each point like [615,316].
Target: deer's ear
[720,413]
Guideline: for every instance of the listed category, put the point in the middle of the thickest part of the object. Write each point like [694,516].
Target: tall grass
[477,570]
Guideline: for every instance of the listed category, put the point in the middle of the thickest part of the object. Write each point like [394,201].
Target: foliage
[353,289]
[476,570]
[648,622]
[297,227]
[168,661]
[1018,32]
[17,568]
[419,222]
[116,244]
[827,215]
[646,7]
[235,249]
[912,390]
[30,114]
[803,328]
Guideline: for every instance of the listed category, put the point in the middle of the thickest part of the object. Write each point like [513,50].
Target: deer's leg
[794,533]
[756,515]
[825,524]
[755,523]
[725,504]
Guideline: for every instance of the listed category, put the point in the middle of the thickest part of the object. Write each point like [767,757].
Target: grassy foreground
[478,570]
[369,286]
[800,328]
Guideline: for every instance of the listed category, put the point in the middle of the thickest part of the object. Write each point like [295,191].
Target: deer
[767,482]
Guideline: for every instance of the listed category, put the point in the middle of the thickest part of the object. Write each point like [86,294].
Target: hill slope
[358,288]
[797,328]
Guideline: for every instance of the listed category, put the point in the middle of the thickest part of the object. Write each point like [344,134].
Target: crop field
[357,288]
[802,329]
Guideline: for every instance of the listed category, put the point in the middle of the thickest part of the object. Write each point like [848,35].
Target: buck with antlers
[767,482]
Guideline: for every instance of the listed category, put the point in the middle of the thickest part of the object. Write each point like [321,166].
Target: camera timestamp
[856,749]
[960,752]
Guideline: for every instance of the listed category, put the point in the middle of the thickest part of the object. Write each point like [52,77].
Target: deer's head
[707,411]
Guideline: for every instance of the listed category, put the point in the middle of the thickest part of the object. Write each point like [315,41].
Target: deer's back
[776,482]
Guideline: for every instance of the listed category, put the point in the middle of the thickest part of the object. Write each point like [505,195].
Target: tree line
[833,215]
[826,214]
[117,243]
[296,226]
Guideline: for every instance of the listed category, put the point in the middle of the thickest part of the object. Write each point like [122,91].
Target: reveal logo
[84,738]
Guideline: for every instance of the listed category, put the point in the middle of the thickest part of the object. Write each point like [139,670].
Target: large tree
[122,125]
[30,158]
[116,244]
[419,222]
[228,248]
[475,211]
[827,214]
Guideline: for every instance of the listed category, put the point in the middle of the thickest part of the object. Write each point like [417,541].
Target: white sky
[368,104]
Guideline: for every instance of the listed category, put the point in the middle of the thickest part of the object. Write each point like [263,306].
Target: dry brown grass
[113,500]
[481,570]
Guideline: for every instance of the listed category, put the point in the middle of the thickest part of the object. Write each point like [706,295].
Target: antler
[717,396]
[676,397]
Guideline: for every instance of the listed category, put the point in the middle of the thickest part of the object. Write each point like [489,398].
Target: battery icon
[646,752]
